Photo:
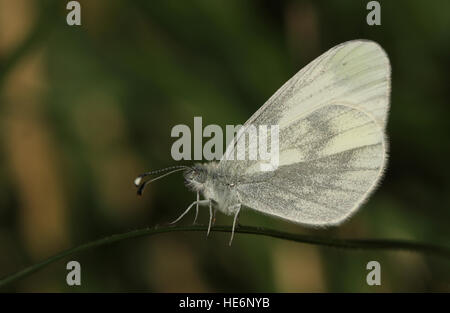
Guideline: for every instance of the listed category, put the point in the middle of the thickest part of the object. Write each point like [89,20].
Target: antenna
[141,185]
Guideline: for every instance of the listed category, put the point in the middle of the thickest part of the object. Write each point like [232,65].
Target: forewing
[330,161]
[355,72]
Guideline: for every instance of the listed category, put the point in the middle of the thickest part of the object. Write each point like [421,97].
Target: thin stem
[366,244]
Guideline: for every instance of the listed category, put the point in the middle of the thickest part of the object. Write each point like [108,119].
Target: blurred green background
[85,109]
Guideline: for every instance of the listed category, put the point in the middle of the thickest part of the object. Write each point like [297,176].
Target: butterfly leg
[210,217]
[238,209]
[196,208]
[200,202]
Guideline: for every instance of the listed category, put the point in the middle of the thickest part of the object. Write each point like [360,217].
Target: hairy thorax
[214,184]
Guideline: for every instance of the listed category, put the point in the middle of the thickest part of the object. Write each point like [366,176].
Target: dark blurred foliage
[84,109]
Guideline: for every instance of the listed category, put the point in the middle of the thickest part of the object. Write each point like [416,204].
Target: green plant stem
[366,244]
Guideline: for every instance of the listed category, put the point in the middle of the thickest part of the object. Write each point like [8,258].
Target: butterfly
[332,118]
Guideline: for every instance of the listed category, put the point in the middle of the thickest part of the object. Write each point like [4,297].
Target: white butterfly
[332,146]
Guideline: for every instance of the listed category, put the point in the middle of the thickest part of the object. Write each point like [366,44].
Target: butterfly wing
[331,117]
[330,161]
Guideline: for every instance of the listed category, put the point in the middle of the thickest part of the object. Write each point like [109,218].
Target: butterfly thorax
[214,184]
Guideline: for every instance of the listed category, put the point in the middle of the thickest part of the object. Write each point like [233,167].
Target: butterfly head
[195,177]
